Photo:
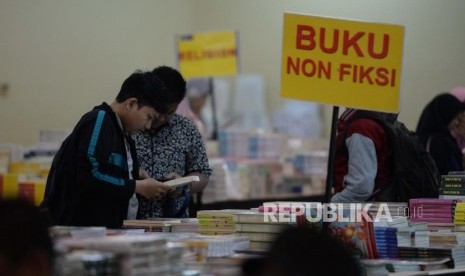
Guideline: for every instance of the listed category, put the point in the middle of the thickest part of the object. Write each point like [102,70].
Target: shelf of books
[24,180]
[252,165]
[23,172]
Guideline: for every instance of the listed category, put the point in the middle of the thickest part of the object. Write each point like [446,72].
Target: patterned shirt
[174,147]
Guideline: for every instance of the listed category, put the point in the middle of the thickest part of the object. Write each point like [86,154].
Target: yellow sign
[341,62]
[208,54]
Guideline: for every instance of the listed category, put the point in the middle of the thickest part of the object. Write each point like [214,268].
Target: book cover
[178,182]
[358,237]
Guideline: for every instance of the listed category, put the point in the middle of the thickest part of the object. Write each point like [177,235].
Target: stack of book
[415,234]
[437,212]
[205,247]
[163,225]
[459,215]
[137,255]
[190,225]
[217,222]
[386,266]
[452,186]
[447,238]
[386,242]
[147,225]
[261,231]
[455,252]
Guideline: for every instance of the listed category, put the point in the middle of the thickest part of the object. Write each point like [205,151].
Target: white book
[178,182]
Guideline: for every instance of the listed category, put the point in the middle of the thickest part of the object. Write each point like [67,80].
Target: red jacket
[365,165]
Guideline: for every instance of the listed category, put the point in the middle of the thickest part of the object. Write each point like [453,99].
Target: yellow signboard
[341,62]
[208,54]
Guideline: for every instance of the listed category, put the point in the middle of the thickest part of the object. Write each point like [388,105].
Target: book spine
[215,222]
[452,192]
[430,201]
[215,217]
[452,179]
[452,186]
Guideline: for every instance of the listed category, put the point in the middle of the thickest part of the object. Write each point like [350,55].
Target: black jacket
[88,184]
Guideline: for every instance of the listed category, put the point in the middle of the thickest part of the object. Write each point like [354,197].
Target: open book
[178,182]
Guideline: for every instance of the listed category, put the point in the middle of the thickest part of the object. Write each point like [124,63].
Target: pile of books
[261,232]
[459,215]
[454,252]
[452,186]
[432,210]
[386,242]
[216,222]
[385,266]
[136,255]
[447,238]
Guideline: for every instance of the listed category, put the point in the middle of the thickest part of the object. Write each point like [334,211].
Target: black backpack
[413,171]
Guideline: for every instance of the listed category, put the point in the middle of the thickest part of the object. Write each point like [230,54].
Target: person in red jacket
[363,167]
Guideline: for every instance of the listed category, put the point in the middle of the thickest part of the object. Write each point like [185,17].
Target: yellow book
[10,186]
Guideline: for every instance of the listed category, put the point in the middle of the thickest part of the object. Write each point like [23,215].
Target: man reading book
[172,148]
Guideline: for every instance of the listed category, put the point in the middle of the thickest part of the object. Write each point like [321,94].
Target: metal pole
[213,104]
[332,155]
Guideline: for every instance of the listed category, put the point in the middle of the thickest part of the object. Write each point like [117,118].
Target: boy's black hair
[143,86]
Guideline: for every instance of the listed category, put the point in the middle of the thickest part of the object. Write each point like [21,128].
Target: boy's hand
[151,188]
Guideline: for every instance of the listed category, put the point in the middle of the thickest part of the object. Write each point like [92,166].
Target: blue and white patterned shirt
[176,147]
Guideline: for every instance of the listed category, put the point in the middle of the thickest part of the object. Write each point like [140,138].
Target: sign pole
[211,92]
[331,158]
[332,155]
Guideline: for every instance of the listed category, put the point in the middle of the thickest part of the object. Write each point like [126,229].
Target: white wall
[61,58]
[434,57]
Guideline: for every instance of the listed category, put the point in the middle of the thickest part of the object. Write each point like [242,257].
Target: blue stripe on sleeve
[90,153]
[116,159]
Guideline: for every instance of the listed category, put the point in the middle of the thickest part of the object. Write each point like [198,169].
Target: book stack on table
[452,186]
